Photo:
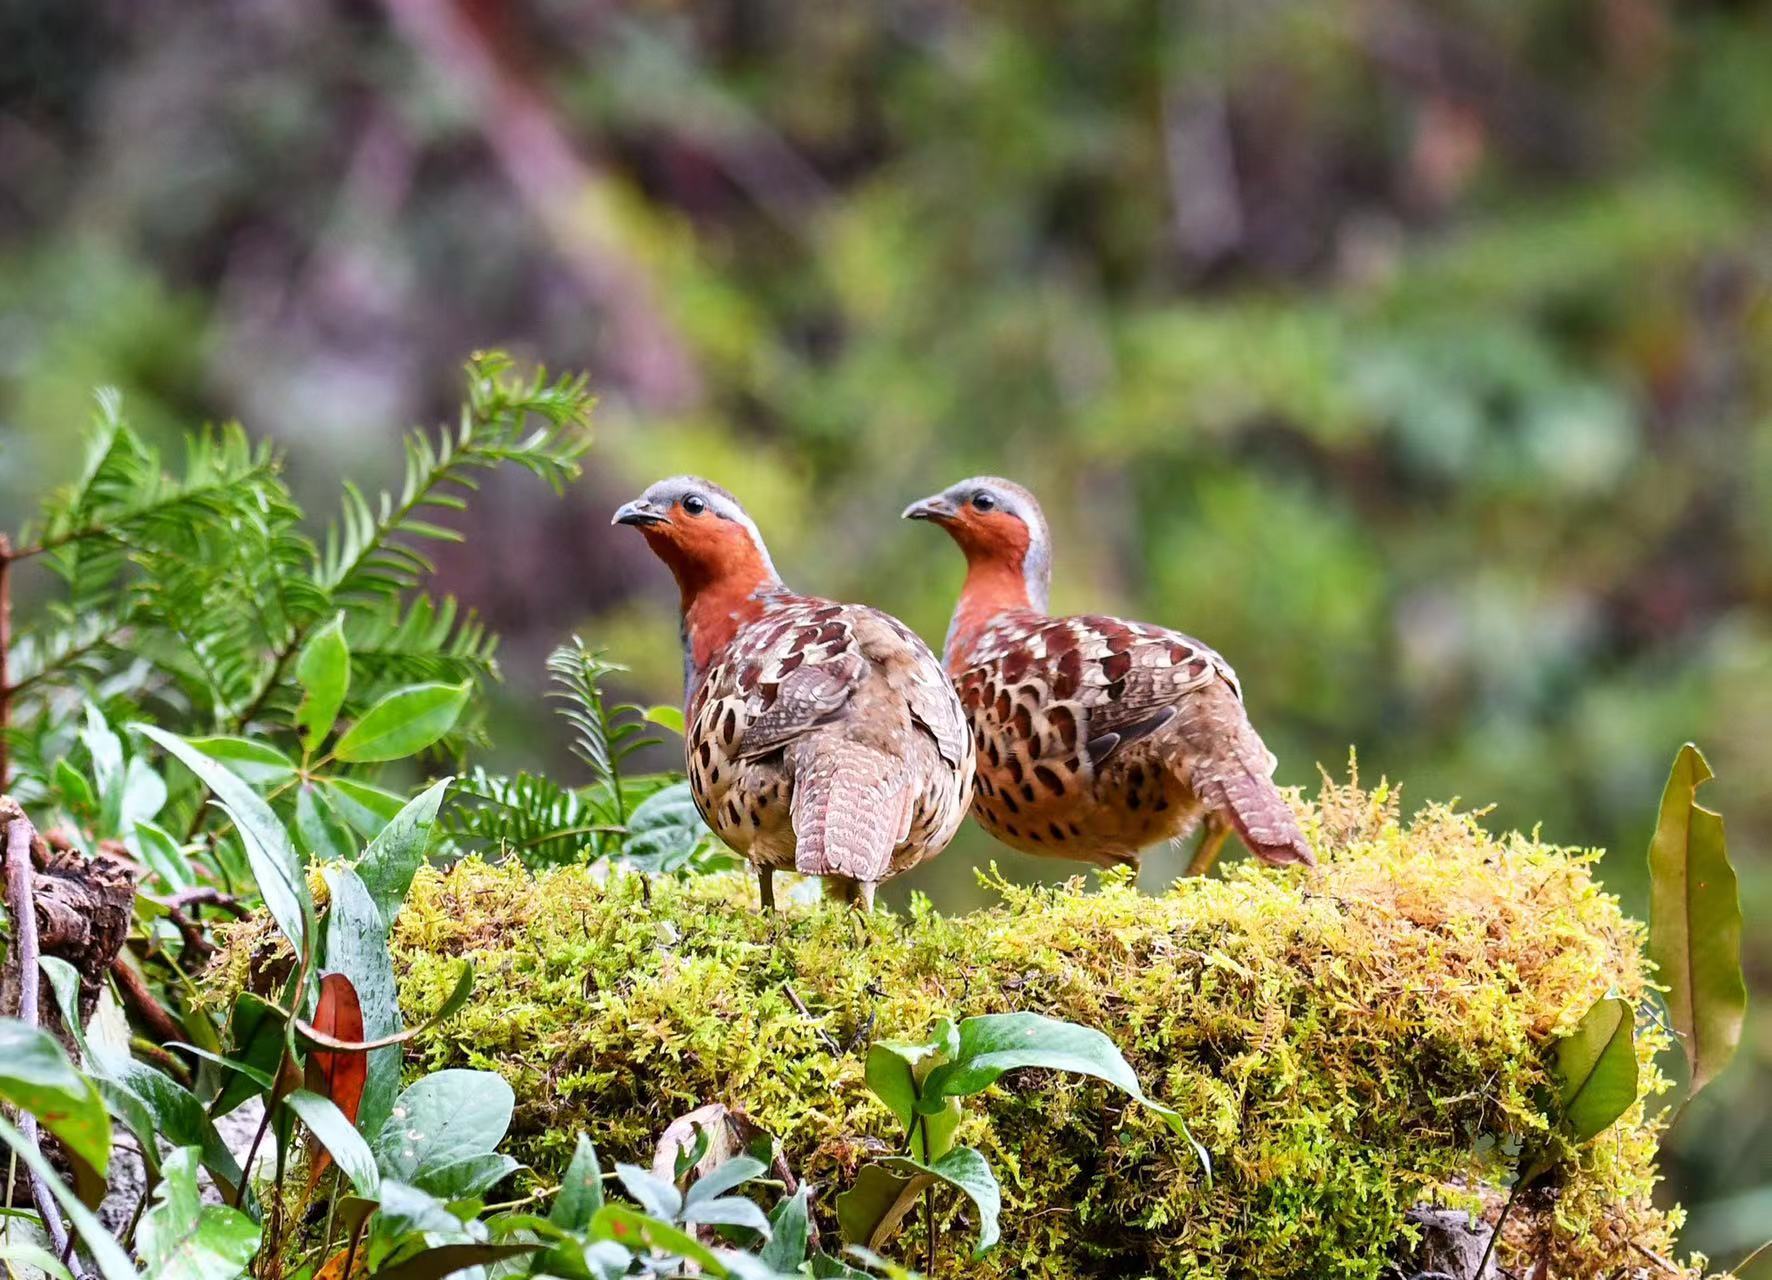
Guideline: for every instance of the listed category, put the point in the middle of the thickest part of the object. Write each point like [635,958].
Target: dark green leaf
[323,835]
[655,1195]
[324,670]
[340,1138]
[665,831]
[638,1233]
[274,864]
[255,1032]
[257,762]
[367,808]
[723,1177]
[398,851]
[34,1258]
[790,1229]
[581,1190]
[871,1211]
[1695,922]
[403,723]
[357,946]
[448,1259]
[181,1238]
[35,1075]
[444,1117]
[468,1177]
[113,1263]
[1597,1068]
[889,1073]
[161,854]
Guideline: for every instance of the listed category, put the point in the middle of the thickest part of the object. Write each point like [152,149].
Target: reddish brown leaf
[333,1073]
[337,1074]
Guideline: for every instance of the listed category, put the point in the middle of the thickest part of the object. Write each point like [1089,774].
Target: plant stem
[21,907]
[1495,1236]
[5,652]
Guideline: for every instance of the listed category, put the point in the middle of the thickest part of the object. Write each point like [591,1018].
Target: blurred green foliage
[1417,357]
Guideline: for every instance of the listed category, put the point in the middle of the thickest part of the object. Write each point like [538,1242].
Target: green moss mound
[1347,1045]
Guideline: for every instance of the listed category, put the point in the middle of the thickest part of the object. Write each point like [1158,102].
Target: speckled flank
[1098,738]
[826,739]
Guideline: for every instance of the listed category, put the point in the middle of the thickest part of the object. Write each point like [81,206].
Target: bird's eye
[695,504]
[983,501]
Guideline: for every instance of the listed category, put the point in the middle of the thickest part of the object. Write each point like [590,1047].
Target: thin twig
[823,1035]
[21,906]
[133,988]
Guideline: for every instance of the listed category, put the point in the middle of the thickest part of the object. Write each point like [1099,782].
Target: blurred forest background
[1419,357]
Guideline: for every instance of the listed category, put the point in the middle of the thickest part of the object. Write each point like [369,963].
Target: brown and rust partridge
[821,737]
[1096,737]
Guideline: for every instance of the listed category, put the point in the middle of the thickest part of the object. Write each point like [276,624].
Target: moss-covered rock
[1347,1045]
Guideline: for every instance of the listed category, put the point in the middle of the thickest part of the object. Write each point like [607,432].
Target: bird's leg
[1212,837]
[766,886]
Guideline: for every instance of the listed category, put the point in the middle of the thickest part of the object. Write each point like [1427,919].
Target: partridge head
[1096,737]
[820,737]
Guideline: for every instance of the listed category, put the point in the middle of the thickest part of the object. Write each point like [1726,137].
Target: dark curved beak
[936,508]
[638,513]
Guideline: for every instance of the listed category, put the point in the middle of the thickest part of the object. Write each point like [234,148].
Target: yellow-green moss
[1347,1045]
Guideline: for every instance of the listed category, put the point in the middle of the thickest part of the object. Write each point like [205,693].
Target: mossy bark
[1348,1044]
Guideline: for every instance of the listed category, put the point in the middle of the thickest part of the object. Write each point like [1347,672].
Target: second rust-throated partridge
[820,737]
[1096,737]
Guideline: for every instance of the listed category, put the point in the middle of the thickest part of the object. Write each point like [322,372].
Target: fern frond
[67,647]
[374,548]
[541,822]
[231,599]
[125,501]
[602,736]
[424,640]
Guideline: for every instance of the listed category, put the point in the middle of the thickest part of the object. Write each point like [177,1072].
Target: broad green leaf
[1597,1068]
[881,1202]
[366,807]
[655,1195]
[268,849]
[1695,922]
[444,1117]
[357,946]
[398,850]
[35,1075]
[468,1177]
[106,750]
[638,1233]
[581,1190]
[889,1073]
[322,834]
[404,1209]
[871,1211]
[178,1116]
[258,762]
[181,1238]
[113,1263]
[324,670]
[37,1259]
[666,717]
[403,723]
[723,1177]
[727,1211]
[665,831]
[790,1229]
[155,848]
[448,1259]
[340,1138]
[255,1032]
[144,795]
